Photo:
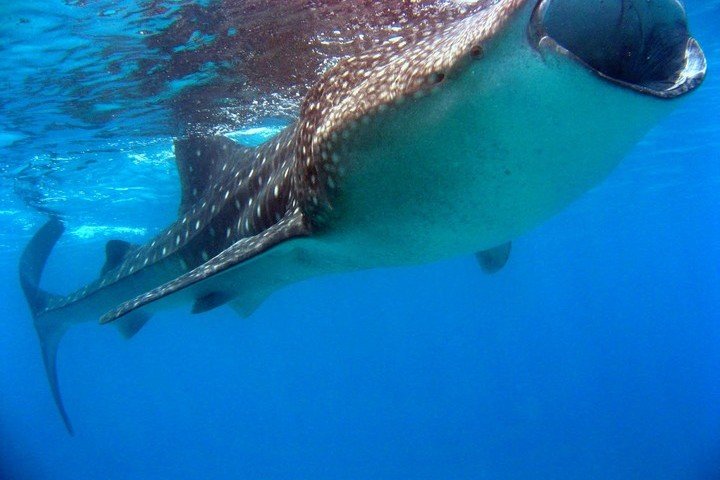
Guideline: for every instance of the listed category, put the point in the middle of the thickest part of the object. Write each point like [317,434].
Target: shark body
[454,135]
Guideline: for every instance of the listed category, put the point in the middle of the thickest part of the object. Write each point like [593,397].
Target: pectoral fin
[292,225]
[494,259]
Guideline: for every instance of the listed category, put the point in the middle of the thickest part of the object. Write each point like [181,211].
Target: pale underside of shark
[458,131]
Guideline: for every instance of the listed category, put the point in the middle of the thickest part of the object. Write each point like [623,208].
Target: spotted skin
[272,53]
[232,193]
[442,132]
[245,192]
[289,227]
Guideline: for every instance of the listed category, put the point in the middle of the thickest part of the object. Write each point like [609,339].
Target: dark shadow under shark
[455,129]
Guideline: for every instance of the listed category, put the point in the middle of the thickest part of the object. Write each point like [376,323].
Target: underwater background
[595,353]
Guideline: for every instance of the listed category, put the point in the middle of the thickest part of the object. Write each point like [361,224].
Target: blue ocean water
[595,353]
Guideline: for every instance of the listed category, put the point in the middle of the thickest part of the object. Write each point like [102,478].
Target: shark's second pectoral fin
[292,225]
[494,259]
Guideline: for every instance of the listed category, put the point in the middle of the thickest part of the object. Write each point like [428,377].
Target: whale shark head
[641,45]
[470,134]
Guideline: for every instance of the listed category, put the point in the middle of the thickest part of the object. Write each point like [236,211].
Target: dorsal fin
[115,253]
[200,162]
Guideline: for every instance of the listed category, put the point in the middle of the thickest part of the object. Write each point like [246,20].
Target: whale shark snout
[641,45]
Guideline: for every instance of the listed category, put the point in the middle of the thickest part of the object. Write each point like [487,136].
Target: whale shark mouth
[639,44]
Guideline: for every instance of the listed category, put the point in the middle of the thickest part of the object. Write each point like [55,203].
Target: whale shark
[454,132]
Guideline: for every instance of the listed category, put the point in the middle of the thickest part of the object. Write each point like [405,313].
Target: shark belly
[493,151]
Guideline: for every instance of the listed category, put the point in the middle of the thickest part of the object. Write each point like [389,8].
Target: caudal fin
[32,264]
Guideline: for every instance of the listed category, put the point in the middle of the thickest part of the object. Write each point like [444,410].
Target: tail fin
[32,263]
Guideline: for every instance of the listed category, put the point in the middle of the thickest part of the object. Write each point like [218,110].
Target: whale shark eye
[640,44]
[437,77]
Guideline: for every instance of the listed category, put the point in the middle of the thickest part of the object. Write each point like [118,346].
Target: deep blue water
[595,354]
